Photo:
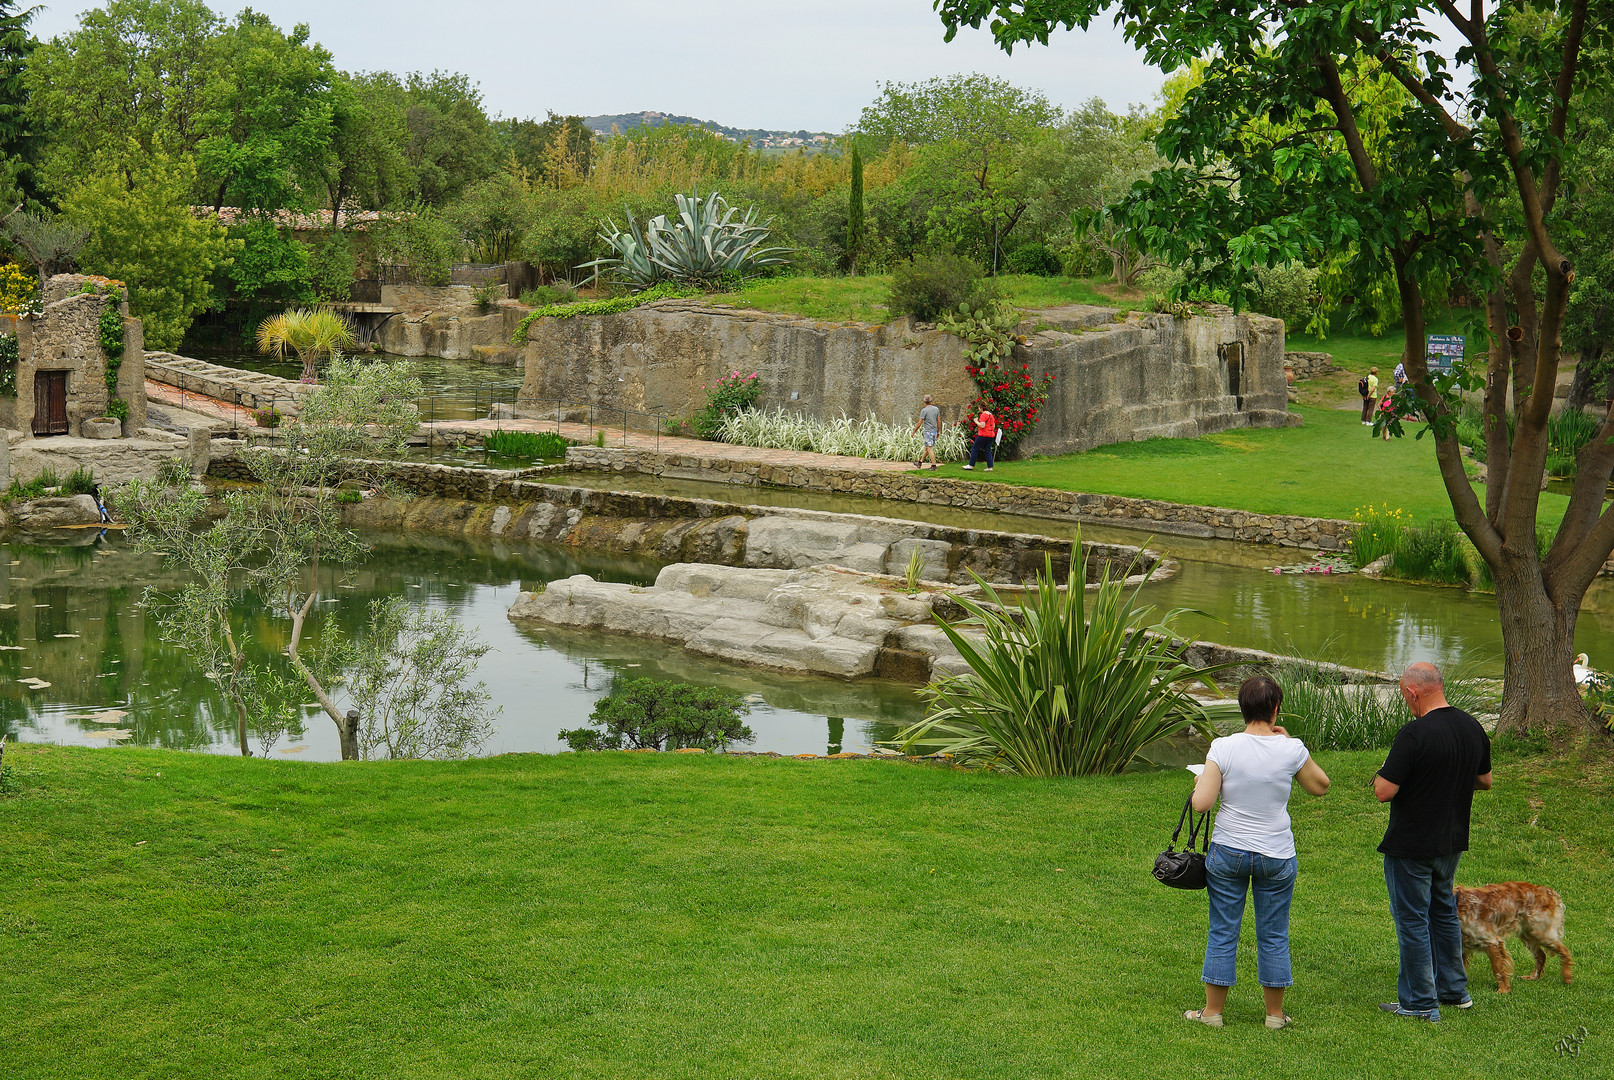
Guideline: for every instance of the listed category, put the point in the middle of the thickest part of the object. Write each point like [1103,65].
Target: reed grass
[868,438]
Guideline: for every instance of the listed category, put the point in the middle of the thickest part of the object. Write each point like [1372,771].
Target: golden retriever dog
[1490,914]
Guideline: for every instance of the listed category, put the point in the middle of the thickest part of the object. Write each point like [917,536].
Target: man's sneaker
[1394,1009]
[1466,1003]
[919,464]
[967,466]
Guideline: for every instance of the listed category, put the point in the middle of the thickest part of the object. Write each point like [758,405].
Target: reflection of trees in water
[120,660]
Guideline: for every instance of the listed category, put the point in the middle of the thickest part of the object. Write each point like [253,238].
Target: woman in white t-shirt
[1252,848]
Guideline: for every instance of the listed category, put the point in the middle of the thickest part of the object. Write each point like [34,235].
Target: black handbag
[1185,869]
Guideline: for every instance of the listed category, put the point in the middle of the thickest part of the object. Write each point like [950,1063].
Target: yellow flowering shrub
[17,287]
[1378,531]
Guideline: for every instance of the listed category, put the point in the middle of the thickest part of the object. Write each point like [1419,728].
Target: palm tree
[312,335]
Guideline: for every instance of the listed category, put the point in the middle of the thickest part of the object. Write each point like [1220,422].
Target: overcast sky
[785,64]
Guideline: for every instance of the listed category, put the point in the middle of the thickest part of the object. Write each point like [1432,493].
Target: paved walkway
[224,411]
[212,408]
[671,444]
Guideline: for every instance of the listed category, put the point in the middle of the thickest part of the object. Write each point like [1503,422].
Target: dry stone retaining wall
[1178,519]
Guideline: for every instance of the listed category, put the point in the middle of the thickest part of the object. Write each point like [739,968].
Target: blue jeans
[984,446]
[1229,872]
[1428,932]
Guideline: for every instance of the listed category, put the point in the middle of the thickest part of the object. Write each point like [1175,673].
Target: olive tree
[276,536]
[1270,162]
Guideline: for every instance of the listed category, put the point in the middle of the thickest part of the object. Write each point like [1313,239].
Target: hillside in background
[758,136]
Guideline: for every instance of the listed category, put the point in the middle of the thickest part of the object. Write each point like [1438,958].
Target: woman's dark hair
[1259,698]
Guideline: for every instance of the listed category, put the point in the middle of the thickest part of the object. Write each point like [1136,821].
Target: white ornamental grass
[868,438]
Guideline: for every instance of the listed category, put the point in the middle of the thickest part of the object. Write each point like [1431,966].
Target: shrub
[526,445]
[331,268]
[1377,533]
[600,307]
[1568,433]
[174,473]
[267,417]
[348,495]
[731,394]
[929,286]
[1060,683]
[9,355]
[1330,715]
[1433,552]
[781,430]
[647,714]
[80,481]
[1033,259]
[17,288]
[556,292]
[1287,292]
[1004,386]
[487,294]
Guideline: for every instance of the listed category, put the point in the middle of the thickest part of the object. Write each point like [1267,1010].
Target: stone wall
[249,389]
[113,461]
[671,528]
[1309,365]
[1177,519]
[1117,377]
[444,321]
[66,336]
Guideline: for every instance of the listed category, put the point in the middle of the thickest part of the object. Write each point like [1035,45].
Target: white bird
[1582,669]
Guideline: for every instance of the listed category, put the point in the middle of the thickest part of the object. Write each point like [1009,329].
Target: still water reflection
[70,617]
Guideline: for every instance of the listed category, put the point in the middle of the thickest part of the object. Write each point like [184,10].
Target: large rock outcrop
[821,621]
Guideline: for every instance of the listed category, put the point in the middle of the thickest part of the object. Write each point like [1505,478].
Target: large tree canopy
[1273,159]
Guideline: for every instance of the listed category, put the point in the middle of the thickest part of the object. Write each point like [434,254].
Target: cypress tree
[16,43]
[854,213]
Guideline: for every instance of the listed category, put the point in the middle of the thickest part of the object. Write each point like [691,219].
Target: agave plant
[704,242]
[312,335]
[1061,683]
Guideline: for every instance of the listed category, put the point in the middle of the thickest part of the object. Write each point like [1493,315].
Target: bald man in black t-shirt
[1437,762]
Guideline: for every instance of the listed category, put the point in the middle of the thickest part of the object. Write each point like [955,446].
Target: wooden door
[50,403]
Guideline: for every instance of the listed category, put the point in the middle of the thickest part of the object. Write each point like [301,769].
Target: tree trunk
[1538,644]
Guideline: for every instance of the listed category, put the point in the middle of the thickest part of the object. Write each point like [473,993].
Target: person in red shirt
[986,439]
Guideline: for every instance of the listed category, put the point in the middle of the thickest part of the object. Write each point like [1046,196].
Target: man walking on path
[1437,762]
[986,440]
[930,420]
[1368,387]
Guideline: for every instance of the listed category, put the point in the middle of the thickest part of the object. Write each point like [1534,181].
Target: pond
[1230,595]
[70,616]
[452,389]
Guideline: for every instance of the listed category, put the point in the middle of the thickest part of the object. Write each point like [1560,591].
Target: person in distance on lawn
[930,420]
[985,444]
[1368,387]
[1252,848]
[1438,760]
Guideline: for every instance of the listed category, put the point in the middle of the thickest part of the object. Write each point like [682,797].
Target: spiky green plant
[1061,682]
[705,242]
[313,335]
[867,438]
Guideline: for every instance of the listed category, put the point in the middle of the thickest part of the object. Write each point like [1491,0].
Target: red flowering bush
[1006,387]
[732,393]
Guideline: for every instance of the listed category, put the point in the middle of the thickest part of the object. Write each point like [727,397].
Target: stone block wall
[66,336]
[1309,365]
[1117,377]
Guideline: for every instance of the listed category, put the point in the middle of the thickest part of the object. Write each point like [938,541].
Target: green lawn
[862,299]
[1327,467]
[174,915]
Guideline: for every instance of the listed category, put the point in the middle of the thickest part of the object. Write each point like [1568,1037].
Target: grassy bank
[169,915]
[862,299]
[1328,467]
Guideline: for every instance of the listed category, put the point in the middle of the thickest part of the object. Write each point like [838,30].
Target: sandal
[1201,1017]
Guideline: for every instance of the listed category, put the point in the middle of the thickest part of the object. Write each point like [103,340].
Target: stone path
[190,401]
[671,444]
